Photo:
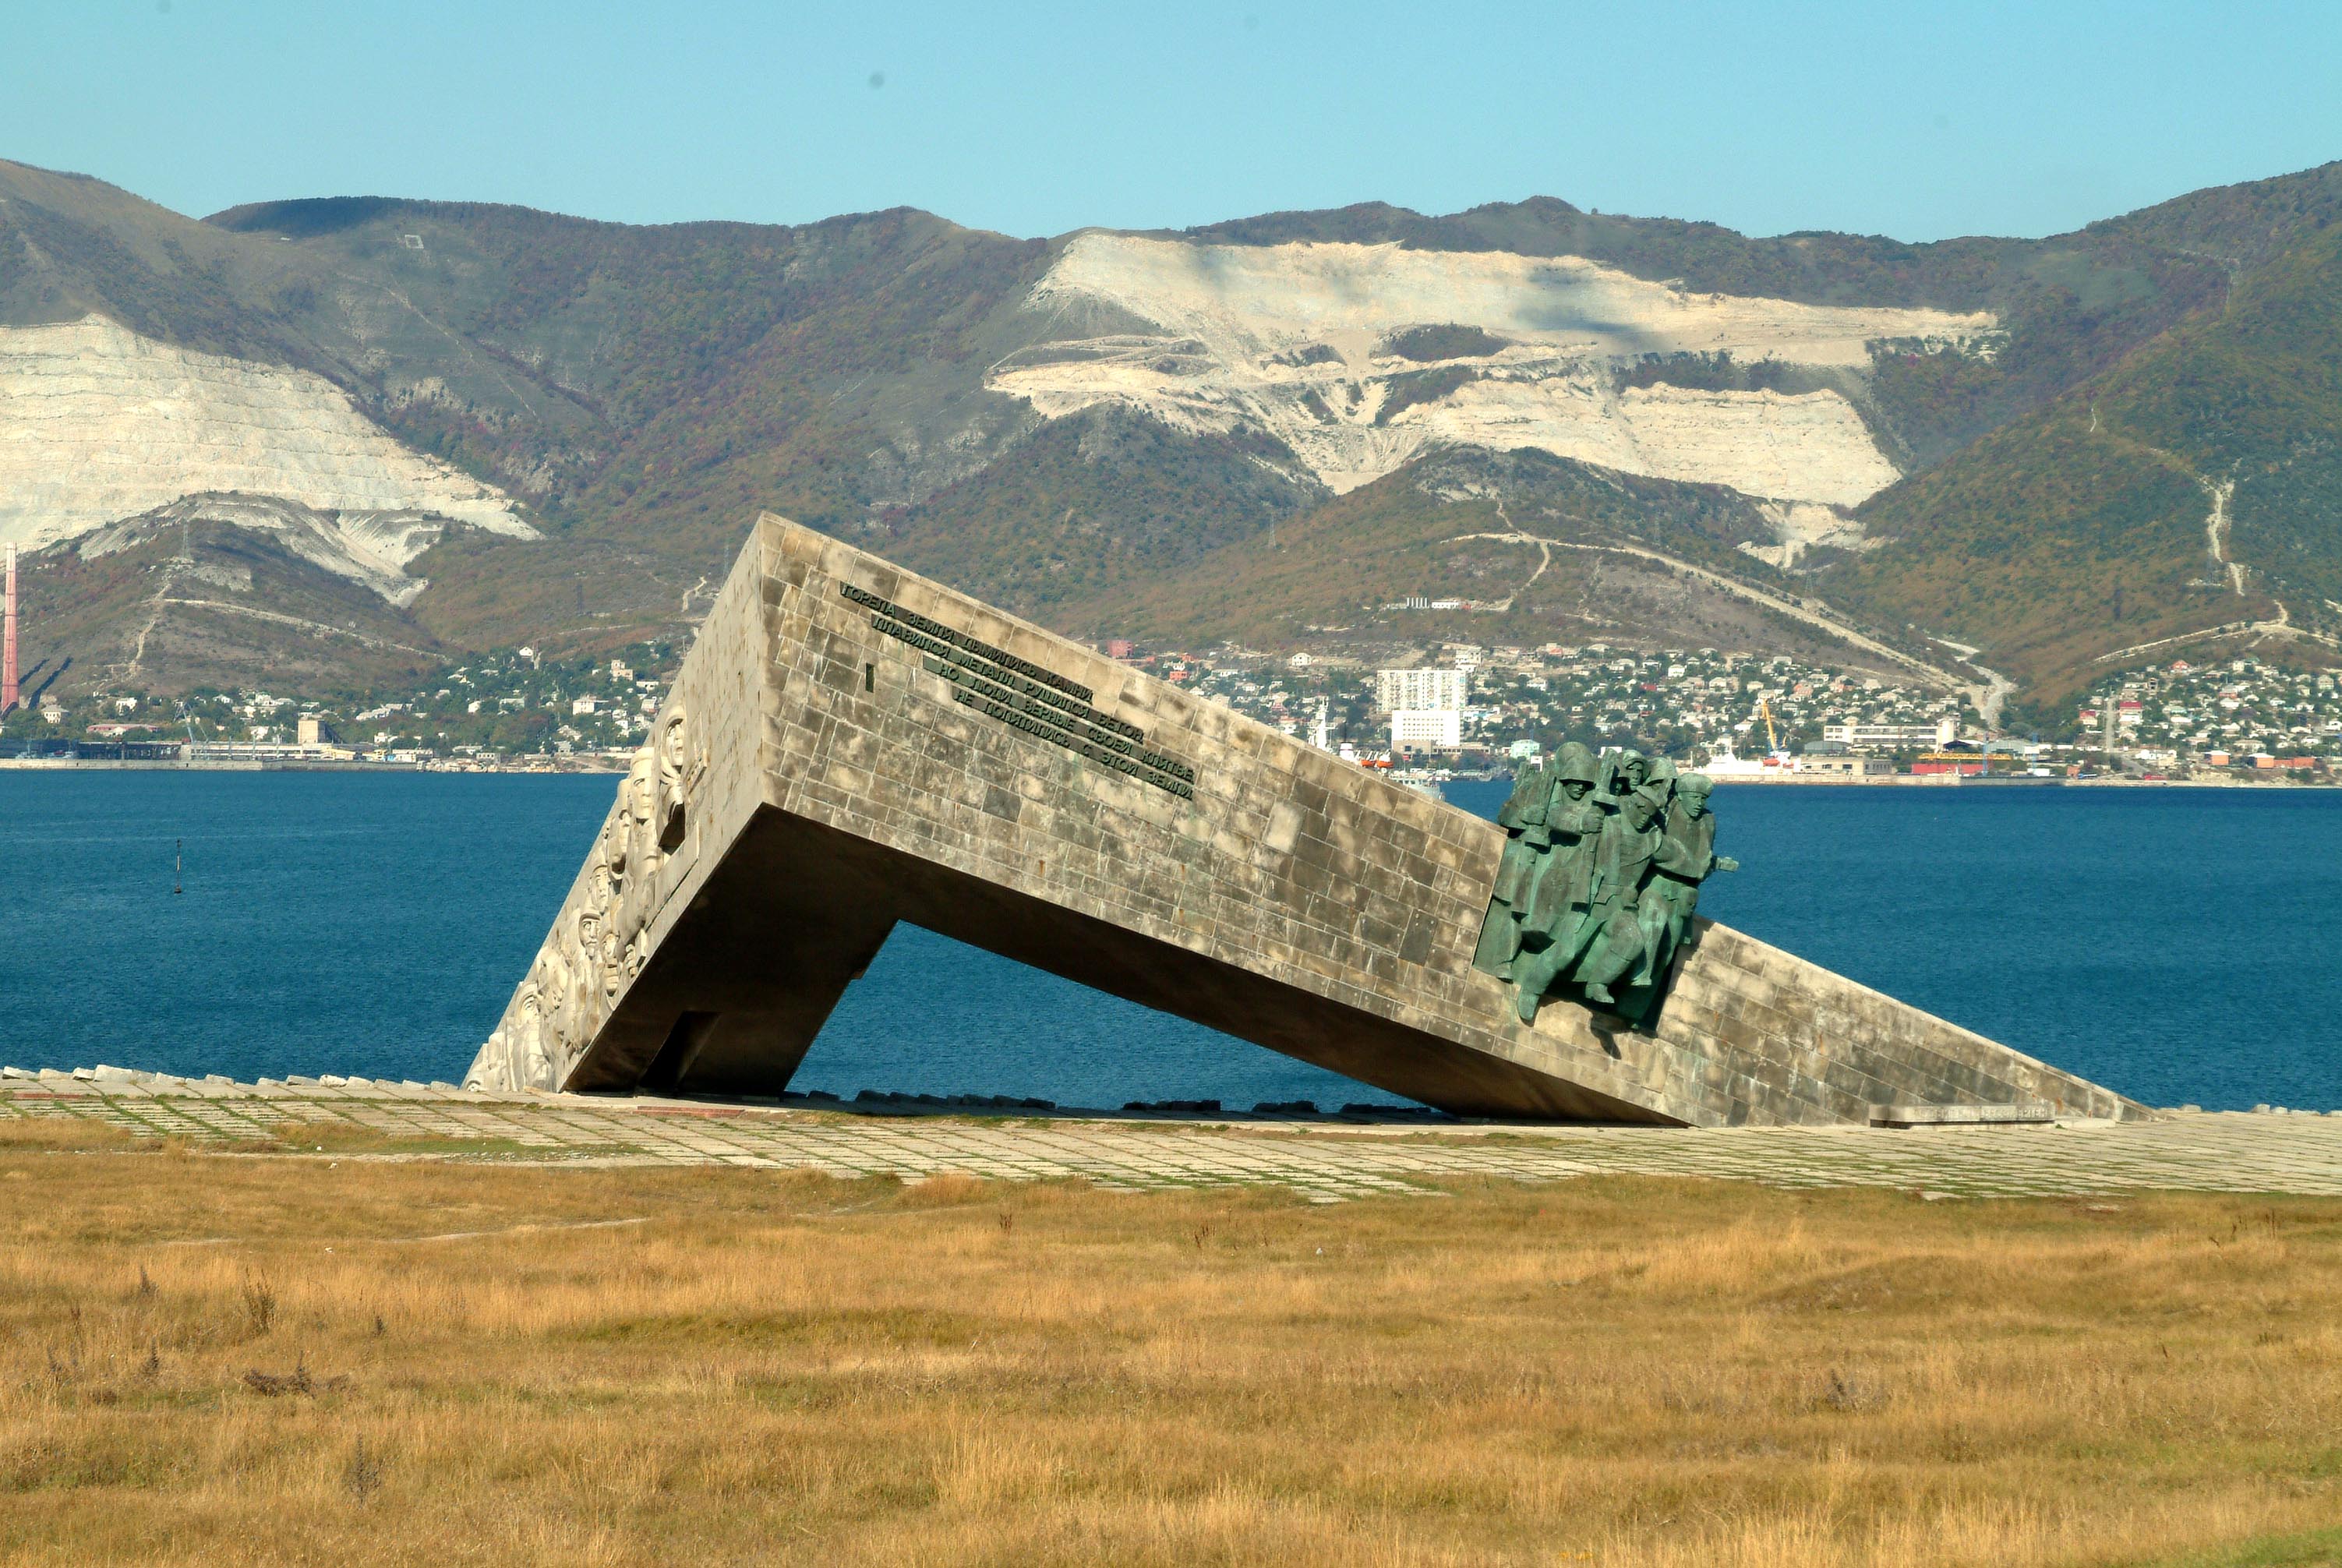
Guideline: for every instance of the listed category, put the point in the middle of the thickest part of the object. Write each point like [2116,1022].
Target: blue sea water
[2177,944]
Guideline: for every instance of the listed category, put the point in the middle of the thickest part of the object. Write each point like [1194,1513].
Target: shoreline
[614,766]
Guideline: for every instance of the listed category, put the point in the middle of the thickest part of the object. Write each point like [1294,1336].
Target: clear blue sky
[1914,120]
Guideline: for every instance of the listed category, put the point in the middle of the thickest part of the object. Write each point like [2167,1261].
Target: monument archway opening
[848,747]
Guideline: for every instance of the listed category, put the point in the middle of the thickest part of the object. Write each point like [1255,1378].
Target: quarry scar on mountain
[1359,356]
[98,424]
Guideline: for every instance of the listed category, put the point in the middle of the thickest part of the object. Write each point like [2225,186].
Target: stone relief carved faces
[589,934]
[601,941]
[538,1066]
[678,772]
[505,1063]
[549,985]
[616,843]
[491,1068]
[638,799]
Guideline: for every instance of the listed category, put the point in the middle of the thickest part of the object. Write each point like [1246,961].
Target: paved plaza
[1324,1158]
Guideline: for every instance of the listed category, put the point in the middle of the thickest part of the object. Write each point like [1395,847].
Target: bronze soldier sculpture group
[1600,879]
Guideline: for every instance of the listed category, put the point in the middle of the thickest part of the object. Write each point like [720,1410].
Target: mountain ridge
[640,391]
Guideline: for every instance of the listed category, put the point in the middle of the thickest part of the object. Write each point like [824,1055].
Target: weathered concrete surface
[1323,1159]
[821,773]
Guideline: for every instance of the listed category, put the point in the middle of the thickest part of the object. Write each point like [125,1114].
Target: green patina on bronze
[1599,880]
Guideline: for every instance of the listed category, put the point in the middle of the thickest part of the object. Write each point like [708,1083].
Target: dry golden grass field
[341,1359]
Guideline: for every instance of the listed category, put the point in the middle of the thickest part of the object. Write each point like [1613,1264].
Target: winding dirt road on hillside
[1794,610]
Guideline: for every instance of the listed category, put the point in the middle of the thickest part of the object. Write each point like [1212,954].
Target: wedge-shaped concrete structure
[849,745]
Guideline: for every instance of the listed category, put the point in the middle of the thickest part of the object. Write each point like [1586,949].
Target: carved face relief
[493,1068]
[551,977]
[548,985]
[536,1066]
[618,839]
[637,794]
[530,1062]
[675,778]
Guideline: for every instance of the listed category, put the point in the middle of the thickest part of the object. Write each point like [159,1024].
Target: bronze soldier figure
[1660,785]
[1560,887]
[1630,842]
[1521,816]
[1688,855]
[1600,881]
[1560,912]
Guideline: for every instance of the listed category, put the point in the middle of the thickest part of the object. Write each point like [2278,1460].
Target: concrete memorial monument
[849,745]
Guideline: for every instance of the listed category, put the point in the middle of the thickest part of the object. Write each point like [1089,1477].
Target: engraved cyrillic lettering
[1025,696]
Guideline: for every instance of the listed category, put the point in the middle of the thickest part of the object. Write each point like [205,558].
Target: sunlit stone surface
[849,745]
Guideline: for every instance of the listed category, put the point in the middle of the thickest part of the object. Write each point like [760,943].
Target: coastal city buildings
[1892,737]
[1748,716]
[1426,730]
[512,709]
[1454,706]
[1426,706]
[2242,712]
[1423,690]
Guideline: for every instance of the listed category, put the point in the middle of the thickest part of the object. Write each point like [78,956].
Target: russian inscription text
[1025,696]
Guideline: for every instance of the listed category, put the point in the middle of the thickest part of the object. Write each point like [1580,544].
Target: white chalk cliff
[98,424]
[1297,340]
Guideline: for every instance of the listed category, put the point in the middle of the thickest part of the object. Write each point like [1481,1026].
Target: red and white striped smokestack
[9,651]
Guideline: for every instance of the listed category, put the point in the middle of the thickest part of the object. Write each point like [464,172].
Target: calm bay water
[2176,945]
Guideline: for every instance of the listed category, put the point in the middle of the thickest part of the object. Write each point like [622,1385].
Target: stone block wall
[920,756]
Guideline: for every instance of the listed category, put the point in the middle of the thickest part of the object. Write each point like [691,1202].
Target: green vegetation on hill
[2084,528]
[1464,527]
[70,244]
[659,385]
[646,391]
[1090,503]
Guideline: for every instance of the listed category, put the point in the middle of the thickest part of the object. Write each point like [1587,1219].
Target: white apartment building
[1397,691]
[1894,737]
[1426,729]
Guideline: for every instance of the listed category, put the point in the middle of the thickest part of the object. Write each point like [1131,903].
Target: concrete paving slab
[2230,1152]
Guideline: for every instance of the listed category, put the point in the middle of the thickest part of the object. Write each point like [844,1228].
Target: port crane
[1773,750]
